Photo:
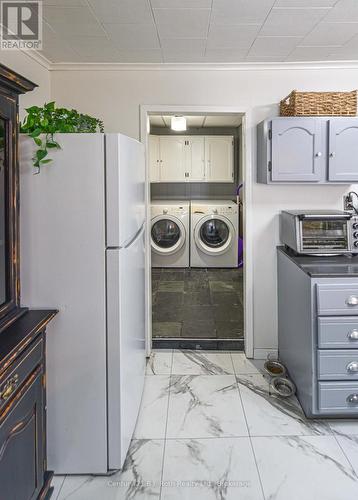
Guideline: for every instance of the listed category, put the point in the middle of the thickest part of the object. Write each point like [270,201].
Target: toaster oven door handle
[325,217]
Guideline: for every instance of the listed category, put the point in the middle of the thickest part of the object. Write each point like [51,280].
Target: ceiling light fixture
[178,123]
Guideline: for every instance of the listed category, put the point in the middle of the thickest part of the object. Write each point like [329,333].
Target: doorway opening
[195,194]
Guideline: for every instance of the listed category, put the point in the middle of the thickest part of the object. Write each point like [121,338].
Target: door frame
[247,179]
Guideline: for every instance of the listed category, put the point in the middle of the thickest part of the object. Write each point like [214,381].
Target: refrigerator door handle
[135,237]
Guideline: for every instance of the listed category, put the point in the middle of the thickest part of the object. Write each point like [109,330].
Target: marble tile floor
[209,429]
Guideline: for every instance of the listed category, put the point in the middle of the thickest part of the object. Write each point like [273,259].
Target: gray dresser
[318,330]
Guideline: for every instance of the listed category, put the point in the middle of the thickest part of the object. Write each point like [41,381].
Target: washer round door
[167,234]
[214,234]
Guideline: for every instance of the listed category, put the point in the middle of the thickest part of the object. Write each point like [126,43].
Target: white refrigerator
[83,252]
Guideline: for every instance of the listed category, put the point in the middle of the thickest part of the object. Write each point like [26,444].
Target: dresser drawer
[337,299]
[337,365]
[12,379]
[338,398]
[338,332]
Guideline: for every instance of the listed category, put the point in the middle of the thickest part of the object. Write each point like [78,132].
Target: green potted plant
[42,123]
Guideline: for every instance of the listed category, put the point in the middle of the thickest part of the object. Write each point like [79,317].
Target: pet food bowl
[274,368]
[282,387]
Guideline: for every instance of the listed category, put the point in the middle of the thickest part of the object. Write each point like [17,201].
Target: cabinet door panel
[219,158]
[297,150]
[172,156]
[21,446]
[343,150]
[154,158]
[195,159]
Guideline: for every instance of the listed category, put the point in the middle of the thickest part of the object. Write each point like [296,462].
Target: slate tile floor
[197,303]
[209,429]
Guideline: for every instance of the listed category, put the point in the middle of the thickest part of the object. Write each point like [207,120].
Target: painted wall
[23,63]
[115,96]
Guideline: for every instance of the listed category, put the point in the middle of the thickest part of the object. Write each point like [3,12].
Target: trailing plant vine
[41,124]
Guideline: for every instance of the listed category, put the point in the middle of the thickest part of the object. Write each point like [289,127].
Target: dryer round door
[214,234]
[167,234]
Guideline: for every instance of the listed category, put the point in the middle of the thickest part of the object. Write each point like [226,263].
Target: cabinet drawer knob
[352,367]
[353,399]
[352,300]
[319,154]
[332,155]
[9,387]
[353,335]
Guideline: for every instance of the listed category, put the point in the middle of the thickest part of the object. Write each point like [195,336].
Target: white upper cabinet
[219,152]
[193,158]
[172,158]
[154,158]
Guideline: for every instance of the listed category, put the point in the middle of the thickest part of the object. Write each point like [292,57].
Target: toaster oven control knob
[355,234]
[355,225]
[355,244]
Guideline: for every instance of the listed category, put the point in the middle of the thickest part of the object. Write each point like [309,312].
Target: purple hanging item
[240,240]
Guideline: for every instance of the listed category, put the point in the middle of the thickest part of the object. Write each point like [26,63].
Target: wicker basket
[319,104]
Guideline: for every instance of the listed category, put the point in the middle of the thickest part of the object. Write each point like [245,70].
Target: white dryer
[170,233]
[214,233]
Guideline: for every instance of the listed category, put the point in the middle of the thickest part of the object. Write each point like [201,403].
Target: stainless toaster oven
[321,232]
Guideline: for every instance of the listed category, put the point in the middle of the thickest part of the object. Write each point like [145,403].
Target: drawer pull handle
[352,367]
[352,300]
[9,387]
[353,335]
[353,399]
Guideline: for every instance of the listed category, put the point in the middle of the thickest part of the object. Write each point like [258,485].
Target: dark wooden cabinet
[23,474]
[21,436]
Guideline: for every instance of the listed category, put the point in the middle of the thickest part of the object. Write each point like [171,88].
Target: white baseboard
[262,353]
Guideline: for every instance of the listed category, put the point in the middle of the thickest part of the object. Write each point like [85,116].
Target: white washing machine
[214,233]
[170,233]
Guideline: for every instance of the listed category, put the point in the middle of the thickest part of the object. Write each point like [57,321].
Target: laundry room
[196,192]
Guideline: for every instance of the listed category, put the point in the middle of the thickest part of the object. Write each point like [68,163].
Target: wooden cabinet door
[343,150]
[195,159]
[172,159]
[154,158]
[219,153]
[296,150]
[22,444]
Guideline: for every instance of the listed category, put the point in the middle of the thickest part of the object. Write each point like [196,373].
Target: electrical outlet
[347,203]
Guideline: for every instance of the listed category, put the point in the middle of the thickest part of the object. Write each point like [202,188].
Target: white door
[195,159]
[154,158]
[172,159]
[219,153]
[125,344]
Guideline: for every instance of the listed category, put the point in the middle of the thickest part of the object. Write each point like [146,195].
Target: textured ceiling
[200,31]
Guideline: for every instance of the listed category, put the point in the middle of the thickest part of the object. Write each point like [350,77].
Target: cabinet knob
[318,154]
[353,335]
[353,399]
[352,300]
[332,155]
[352,367]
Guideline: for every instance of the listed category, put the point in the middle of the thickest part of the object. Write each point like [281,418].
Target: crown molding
[39,58]
[245,66]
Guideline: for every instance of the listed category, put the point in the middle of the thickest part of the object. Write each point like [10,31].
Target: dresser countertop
[21,333]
